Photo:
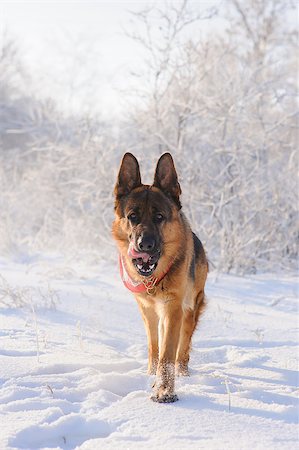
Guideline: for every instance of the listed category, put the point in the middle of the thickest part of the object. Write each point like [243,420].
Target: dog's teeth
[145,270]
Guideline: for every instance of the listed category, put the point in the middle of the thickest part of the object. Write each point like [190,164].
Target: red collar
[148,284]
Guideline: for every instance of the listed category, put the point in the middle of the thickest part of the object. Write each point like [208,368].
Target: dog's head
[146,216]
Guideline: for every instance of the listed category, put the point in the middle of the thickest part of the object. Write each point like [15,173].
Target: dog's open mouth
[144,263]
[146,268]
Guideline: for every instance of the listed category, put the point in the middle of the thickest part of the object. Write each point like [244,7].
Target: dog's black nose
[146,243]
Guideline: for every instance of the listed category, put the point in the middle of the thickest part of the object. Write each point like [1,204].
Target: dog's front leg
[171,325]
[150,320]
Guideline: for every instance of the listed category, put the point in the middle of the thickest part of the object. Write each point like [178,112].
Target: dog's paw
[182,371]
[152,370]
[165,398]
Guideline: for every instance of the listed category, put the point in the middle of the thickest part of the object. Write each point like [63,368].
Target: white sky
[47,30]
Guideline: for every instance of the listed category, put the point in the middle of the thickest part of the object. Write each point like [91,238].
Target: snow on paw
[164,398]
[182,370]
[164,394]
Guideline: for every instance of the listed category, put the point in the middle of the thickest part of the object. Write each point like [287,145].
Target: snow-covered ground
[74,376]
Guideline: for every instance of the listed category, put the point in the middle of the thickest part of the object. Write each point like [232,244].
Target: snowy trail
[88,386]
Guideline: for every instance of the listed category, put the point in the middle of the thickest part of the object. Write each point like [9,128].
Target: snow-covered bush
[223,105]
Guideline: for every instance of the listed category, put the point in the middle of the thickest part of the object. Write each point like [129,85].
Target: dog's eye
[133,217]
[159,217]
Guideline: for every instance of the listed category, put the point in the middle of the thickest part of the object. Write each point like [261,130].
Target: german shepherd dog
[163,263]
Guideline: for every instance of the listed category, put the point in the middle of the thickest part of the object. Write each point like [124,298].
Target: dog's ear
[166,178]
[128,176]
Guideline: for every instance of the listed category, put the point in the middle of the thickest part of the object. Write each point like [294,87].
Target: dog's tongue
[135,255]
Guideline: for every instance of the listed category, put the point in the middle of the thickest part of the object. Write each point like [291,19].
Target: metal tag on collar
[151,290]
[150,285]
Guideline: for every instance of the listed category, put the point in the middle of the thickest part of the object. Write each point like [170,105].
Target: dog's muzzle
[144,262]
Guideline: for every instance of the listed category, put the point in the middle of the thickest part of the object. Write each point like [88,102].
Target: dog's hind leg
[189,323]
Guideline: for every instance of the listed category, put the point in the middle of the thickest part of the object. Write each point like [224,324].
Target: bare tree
[225,106]
[223,103]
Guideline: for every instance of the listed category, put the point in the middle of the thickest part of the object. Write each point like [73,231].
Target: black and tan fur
[171,314]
